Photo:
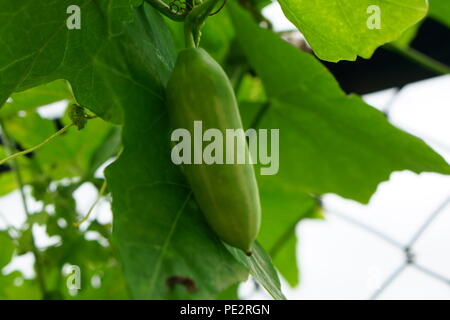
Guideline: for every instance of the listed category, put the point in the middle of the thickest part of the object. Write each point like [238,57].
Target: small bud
[78,116]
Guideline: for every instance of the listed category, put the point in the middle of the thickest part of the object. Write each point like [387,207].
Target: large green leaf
[329,142]
[39,48]
[338,29]
[440,10]
[166,248]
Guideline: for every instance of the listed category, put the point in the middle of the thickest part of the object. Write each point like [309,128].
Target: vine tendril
[220,9]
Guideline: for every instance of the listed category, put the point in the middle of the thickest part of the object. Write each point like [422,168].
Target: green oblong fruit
[199,90]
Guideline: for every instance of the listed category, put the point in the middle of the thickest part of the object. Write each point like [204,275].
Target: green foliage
[338,30]
[323,123]
[7,249]
[117,66]
[440,10]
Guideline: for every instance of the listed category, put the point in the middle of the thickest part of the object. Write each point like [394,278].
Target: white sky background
[339,260]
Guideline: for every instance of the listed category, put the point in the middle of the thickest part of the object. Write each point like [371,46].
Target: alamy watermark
[73,22]
[374,20]
[227,148]
[73,273]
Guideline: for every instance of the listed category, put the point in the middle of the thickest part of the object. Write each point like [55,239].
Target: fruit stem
[178,15]
[195,20]
[188,36]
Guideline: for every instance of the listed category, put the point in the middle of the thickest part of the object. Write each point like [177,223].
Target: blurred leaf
[39,218]
[231,293]
[408,36]
[338,30]
[251,90]
[330,142]
[14,286]
[440,10]
[25,241]
[36,97]
[7,249]
[7,183]
[217,35]
[261,268]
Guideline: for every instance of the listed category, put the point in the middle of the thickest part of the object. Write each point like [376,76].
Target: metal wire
[409,256]
[427,223]
[407,249]
[365,227]
[394,275]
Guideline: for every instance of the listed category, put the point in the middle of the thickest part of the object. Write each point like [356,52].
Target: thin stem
[189,37]
[16,169]
[420,59]
[40,145]
[195,20]
[166,10]
[99,196]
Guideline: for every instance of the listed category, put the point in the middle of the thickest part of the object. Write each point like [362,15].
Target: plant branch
[420,59]
[16,169]
[99,196]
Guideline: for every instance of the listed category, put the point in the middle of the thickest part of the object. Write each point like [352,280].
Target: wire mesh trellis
[410,258]
[407,248]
